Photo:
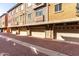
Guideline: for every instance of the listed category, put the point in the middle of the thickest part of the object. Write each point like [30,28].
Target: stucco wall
[68,11]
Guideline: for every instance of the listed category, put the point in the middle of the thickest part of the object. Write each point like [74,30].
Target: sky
[4,7]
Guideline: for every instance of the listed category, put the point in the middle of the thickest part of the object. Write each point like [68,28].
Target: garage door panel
[24,33]
[68,36]
[38,34]
[13,32]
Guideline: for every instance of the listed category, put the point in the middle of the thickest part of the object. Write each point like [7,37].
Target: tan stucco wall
[68,11]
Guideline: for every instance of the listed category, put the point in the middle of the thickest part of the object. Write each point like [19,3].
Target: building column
[8,30]
[18,31]
[28,31]
[48,31]
[54,33]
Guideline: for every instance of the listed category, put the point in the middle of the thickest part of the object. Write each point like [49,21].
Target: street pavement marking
[35,47]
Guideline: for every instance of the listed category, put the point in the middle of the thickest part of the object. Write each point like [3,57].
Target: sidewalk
[59,46]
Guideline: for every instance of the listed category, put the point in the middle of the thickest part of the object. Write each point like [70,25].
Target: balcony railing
[39,18]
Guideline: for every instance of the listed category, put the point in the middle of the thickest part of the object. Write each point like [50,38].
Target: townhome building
[64,17]
[3,23]
[45,20]
[17,18]
[25,21]
[37,29]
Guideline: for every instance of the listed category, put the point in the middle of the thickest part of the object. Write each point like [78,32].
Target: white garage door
[13,32]
[23,33]
[38,34]
[72,35]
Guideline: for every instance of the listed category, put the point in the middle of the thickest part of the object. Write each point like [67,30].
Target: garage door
[13,32]
[38,34]
[23,33]
[68,36]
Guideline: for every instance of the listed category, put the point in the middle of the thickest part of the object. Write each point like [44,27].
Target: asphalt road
[9,48]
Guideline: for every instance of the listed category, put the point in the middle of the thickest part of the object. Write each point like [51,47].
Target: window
[39,12]
[22,19]
[13,21]
[17,20]
[17,9]
[77,7]
[58,7]
[30,16]
[12,13]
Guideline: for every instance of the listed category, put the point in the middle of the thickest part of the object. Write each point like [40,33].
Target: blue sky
[5,7]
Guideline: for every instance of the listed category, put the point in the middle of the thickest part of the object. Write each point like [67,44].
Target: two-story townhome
[27,18]
[3,23]
[64,17]
[40,15]
[17,18]
[45,20]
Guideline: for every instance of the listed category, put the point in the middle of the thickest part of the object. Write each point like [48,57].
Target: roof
[14,7]
[11,9]
[3,15]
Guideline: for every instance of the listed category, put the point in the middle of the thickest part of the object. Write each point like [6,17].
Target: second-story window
[17,19]
[77,7]
[58,7]
[29,15]
[12,13]
[39,12]
[17,9]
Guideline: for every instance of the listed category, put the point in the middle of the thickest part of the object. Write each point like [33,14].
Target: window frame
[58,7]
[39,12]
[30,14]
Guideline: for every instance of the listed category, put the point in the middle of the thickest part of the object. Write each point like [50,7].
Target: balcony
[39,18]
[38,5]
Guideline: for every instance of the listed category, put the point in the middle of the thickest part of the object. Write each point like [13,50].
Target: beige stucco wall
[68,11]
